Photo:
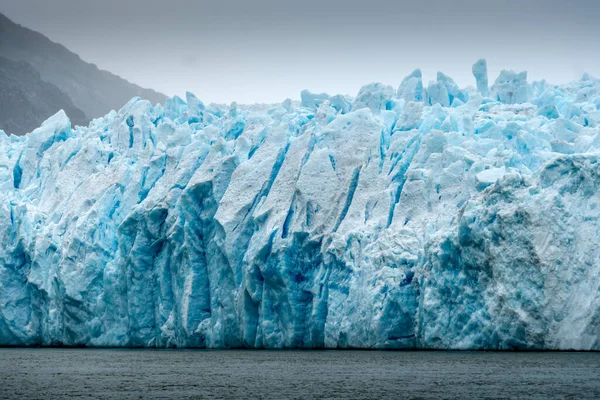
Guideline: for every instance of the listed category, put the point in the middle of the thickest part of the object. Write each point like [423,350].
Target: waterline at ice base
[426,216]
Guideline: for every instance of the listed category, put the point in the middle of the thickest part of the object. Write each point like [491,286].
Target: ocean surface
[116,374]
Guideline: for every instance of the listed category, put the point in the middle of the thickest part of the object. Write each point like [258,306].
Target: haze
[267,50]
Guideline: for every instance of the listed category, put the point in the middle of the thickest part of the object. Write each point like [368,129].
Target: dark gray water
[58,373]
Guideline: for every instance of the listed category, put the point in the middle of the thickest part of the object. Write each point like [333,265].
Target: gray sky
[267,50]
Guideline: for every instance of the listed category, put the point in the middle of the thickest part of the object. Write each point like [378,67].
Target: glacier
[427,216]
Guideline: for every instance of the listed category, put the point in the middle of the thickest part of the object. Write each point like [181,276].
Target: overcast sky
[267,50]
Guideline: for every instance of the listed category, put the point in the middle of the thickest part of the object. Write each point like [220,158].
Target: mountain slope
[94,91]
[26,101]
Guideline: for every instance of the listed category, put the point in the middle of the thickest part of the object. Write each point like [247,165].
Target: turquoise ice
[426,216]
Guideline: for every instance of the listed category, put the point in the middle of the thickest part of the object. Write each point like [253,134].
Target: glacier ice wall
[424,217]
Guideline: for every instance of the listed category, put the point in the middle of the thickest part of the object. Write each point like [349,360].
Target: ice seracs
[422,217]
[411,88]
[481,76]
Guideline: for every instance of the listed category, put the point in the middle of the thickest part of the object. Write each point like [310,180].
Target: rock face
[388,221]
[26,101]
[93,91]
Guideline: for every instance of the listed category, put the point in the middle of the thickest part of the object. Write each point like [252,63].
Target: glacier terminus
[424,216]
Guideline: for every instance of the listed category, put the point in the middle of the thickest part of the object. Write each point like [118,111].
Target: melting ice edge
[423,217]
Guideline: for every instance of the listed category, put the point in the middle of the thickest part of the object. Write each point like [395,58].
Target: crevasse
[424,217]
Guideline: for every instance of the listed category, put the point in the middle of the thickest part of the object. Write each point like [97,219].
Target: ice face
[416,218]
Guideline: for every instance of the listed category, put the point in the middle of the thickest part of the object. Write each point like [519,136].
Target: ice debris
[433,217]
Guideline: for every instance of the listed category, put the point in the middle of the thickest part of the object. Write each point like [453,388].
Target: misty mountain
[92,90]
[26,100]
